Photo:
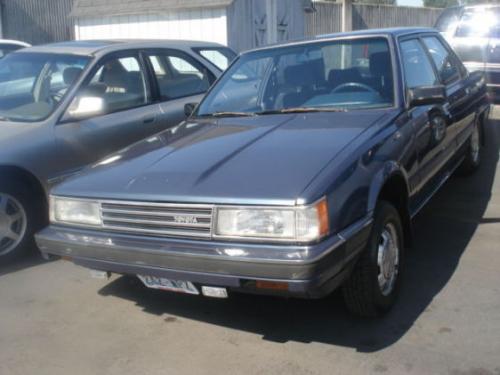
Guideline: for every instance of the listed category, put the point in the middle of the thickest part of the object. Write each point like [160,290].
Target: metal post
[346,15]
[272,21]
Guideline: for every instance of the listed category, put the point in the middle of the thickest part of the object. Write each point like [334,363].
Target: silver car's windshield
[341,74]
[33,84]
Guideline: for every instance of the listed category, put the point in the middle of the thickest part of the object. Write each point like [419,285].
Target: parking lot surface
[55,319]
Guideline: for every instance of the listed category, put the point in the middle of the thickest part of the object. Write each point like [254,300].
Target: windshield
[448,20]
[480,22]
[342,74]
[220,57]
[33,84]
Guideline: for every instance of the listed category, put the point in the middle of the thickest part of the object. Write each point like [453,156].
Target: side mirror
[189,108]
[426,95]
[86,106]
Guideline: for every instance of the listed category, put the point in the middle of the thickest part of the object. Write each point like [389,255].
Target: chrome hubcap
[475,144]
[12,223]
[388,259]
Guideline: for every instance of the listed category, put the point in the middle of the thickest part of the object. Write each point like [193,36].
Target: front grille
[158,219]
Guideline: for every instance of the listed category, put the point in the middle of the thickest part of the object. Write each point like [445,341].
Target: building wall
[196,24]
[366,16]
[254,23]
[328,17]
[37,21]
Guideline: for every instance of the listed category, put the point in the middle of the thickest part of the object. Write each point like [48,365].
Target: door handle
[148,120]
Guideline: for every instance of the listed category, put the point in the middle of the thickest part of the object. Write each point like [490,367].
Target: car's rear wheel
[472,158]
[373,285]
[17,220]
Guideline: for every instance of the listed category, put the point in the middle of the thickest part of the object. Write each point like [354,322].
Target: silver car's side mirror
[85,106]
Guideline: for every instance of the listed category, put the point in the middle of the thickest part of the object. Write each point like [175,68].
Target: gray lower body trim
[308,269]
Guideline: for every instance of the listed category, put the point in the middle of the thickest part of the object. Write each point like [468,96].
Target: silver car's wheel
[13,223]
[388,259]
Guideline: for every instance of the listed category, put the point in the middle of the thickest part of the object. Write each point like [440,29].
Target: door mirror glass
[426,95]
[86,106]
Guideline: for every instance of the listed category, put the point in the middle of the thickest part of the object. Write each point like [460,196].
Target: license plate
[167,284]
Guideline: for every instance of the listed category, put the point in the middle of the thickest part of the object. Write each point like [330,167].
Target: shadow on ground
[33,259]
[443,231]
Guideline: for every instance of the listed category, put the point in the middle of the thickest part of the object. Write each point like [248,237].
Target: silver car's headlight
[294,224]
[75,211]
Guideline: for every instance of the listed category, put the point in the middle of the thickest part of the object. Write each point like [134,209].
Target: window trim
[65,118]
[147,52]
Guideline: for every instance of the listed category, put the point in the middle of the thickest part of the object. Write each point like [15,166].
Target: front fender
[389,170]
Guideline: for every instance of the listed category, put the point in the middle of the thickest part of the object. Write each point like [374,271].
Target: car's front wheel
[17,220]
[373,285]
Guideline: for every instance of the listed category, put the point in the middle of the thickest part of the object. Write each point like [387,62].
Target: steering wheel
[351,85]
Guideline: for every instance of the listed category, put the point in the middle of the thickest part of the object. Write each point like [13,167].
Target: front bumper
[310,271]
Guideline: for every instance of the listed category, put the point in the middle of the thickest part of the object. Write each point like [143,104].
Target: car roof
[93,47]
[394,32]
[15,42]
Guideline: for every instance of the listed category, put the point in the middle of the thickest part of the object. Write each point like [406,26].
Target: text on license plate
[167,284]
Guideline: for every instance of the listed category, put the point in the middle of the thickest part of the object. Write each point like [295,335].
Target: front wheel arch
[392,187]
[21,175]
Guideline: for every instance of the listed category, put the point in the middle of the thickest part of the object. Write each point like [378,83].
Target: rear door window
[417,66]
[444,60]
[178,75]
[220,57]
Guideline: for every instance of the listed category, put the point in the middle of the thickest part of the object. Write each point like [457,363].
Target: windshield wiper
[228,114]
[302,110]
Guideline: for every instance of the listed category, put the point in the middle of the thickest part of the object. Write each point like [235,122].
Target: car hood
[263,159]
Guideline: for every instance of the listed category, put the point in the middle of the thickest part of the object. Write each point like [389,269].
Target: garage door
[196,24]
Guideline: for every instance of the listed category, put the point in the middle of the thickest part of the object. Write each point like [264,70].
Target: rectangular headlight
[294,224]
[75,211]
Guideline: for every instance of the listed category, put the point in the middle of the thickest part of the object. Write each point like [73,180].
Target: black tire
[472,159]
[21,195]
[362,292]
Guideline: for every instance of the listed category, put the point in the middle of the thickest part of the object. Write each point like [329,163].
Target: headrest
[299,75]
[71,74]
[114,75]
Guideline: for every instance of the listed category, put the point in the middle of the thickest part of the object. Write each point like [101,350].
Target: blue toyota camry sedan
[298,173]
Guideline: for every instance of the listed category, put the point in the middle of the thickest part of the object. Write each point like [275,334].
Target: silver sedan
[65,106]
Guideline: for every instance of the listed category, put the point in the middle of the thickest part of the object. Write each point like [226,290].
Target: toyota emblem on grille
[185,219]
